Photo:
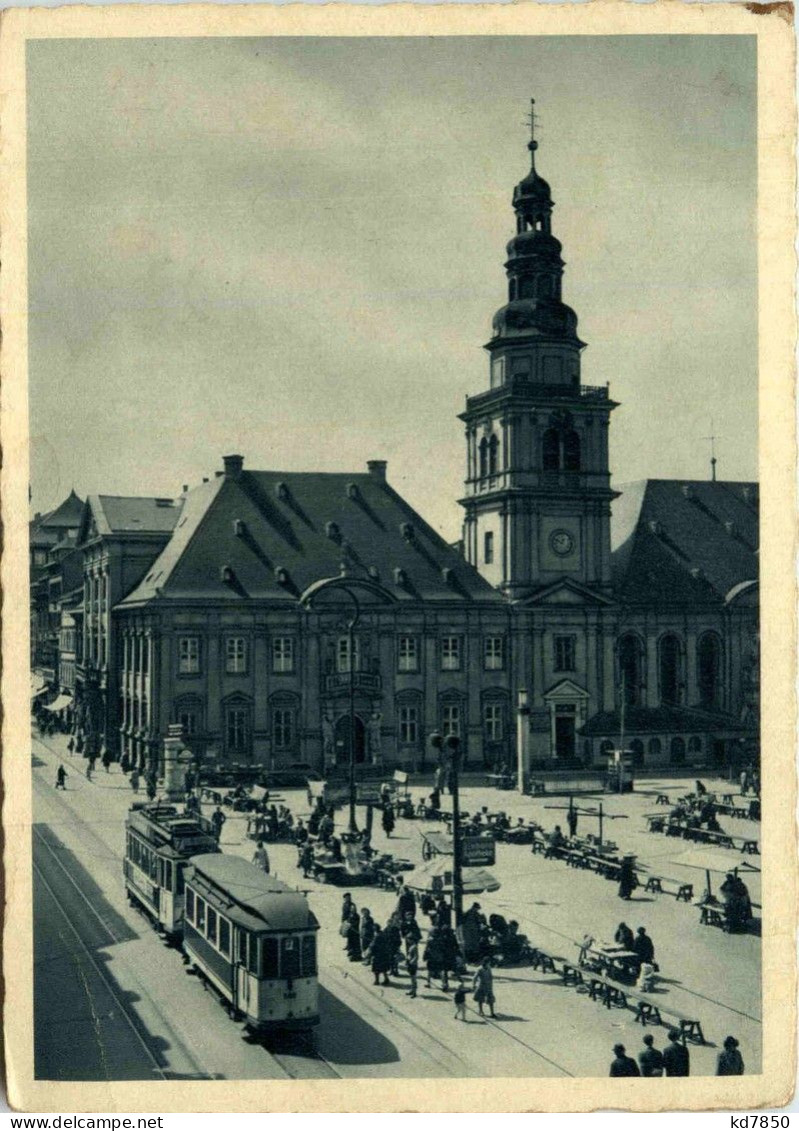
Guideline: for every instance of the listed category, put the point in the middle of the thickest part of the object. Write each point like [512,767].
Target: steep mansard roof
[691,542]
[270,534]
[128,514]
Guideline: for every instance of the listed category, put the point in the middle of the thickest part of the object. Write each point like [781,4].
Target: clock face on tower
[561,542]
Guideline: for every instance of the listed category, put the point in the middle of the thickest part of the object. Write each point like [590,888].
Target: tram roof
[264,901]
[165,828]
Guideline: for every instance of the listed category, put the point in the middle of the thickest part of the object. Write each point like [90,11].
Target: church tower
[538,490]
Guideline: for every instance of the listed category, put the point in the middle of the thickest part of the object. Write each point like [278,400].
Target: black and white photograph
[395,424]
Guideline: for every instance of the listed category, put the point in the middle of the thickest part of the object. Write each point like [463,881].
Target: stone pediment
[565,591]
[566,691]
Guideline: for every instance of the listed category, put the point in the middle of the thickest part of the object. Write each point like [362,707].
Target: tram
[253,939]
[158,844]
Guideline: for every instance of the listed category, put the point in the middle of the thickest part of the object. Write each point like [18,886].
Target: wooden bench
[540,959]
[609,993]
[691,1031]
[662,799]
[646,1010]
[712,916]
[751,847]
[685,892]
[654,884]
[539,846]
[572,975]
[656,823]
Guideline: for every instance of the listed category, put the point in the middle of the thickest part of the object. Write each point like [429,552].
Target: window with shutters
[565,648]
[189,655]
[493,653]
[451,653]
[283,654]
[236,655]
[408,654]
[492,722]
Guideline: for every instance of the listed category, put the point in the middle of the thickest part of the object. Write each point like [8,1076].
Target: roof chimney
[233,466]
[377,467]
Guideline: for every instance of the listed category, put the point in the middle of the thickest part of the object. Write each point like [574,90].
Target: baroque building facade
[194,610]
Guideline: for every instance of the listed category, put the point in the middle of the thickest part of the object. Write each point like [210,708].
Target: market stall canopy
[709,861]
[258,793]
[437,876]
[59,703]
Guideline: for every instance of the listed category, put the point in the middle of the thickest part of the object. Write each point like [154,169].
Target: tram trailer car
[253,939]
[158,845]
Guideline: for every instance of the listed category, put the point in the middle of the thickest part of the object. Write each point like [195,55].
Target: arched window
[284,707]
[637,750]
[237,726]
[571,451]
[708,669]
[493,455]
[678,751]
[483,449]
[631,668]
[655,748]
[694,744]
[670,669]
[550,448]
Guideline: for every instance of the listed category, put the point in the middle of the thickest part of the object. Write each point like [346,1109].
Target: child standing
[460,1002]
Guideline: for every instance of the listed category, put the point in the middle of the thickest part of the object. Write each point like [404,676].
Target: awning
[709,861]
[59,703]
[437,876]
[257,793]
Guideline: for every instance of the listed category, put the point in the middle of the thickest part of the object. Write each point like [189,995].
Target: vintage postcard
[398,599]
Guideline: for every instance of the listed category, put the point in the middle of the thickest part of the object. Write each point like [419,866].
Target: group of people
[674,1060]
[400,941]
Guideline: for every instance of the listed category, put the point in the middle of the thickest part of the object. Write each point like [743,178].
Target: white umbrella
[436,875]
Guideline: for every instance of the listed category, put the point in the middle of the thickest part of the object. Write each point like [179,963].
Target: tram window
[242,956]
[269,957]
[210,930]
[190,905]
[168,875]
[252,964]
[224,936]
[153,866]
[200,914]
[290,957]
[308,951]
[180,879]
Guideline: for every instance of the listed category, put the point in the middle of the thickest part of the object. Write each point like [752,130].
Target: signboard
[477,851]
[368,793]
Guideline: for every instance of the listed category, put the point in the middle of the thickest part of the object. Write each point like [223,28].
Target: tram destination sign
[477,851]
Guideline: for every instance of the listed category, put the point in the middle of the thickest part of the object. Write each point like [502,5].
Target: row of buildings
[200,609]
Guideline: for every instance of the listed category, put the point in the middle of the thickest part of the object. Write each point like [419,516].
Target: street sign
[477,851]
[368,793]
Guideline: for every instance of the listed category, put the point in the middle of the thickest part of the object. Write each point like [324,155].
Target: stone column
[522,740]
[174,770]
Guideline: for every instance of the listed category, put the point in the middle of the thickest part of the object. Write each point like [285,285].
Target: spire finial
[713,461]
[532,144]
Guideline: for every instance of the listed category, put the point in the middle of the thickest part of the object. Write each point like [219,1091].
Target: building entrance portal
[342,740]
[565,739]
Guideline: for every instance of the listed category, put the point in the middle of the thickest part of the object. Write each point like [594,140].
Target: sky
[292,248]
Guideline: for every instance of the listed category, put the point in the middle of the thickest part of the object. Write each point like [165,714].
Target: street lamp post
[452,743]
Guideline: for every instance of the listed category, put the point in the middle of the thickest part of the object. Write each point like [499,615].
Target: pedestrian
[410,930]
[644,947]
[412,964]
[483,986]
[71,744]
[218,819]
[124,763]
[261,857]
[624,937]
[89,768]
[730,1062]
[406,900]
[381,957]
[368,932]
[627,881]
[744,780]
[134,781]
[460,1001]
[650,1059]
[307,859]
[442,916]
[571,819]
[623,1065]
[450,952]
[353,936]
[388,819]
[107,761]
[347,905]
[60,778]
[676,1059]
[434,955]
[151,786]
[395,942]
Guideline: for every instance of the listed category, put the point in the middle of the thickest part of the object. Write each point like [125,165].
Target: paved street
[129,993]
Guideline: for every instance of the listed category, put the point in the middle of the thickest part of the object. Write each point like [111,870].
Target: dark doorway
[565,743]
[342,740]
[718,752]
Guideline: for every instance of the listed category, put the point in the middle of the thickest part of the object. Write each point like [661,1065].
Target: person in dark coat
[443,913]
[676,1059]
[650,1059]
[347,905]
[406,901]
[218,819]
[381,957]
[409,929]
[388,819]
[434,955]
[571,821]
[624,937]
[394,936]
[623,1065]
[449,955]
[412,965]
[307,859]
[60,778]
[643,946]
[730,1062]
[627,880]
[368,931]
[354,936]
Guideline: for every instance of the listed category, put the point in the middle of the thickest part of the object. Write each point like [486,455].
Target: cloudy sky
[293,248]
